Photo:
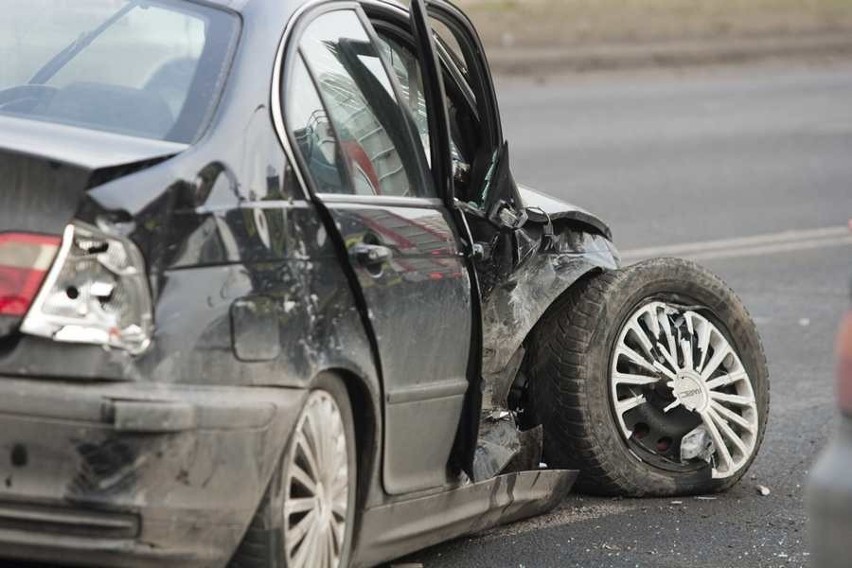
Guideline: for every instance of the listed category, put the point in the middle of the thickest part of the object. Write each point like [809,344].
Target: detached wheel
[306,517]
[650,380]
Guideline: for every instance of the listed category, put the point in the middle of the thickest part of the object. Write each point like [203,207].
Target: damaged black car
[270,295]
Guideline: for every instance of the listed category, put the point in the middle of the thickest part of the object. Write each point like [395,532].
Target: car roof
[240,5]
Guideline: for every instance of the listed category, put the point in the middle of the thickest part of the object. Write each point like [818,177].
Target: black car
[270,295]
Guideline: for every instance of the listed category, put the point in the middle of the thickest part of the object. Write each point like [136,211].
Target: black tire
[263,543]
[569,364]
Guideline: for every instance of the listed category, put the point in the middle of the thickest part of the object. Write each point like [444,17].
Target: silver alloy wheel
[663,347]
[317,484]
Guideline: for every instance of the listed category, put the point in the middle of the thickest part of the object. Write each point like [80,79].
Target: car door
[369,174]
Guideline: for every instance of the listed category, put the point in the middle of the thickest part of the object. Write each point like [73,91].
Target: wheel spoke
[631,379]
[635,358]
[727,432]
[686,350]
[296,505]
[338,529]
[340,487]
[727,379]
[651,321]
[297,533]
[732,416]
[719,443]
[303,478]
[639,333]
[670,339]
[739,400]
[665,370]
[623,406]
[322,546]
[312,444]
[669,357]
[718,356]
[331,551]
[306,556]
[308,453]
[704,332]
[687,317]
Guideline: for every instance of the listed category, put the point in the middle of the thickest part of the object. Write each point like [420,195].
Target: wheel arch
[523,378]
[513,309]
[555,305]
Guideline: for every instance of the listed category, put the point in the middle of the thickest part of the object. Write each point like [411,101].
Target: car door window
[314,133]
[463,127]
[405,66]
[360,124]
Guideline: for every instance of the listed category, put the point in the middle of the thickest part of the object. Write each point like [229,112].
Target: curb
[582,58]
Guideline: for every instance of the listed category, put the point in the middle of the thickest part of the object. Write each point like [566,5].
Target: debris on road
[763,490]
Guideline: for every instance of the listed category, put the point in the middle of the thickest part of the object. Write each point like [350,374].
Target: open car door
[464,449]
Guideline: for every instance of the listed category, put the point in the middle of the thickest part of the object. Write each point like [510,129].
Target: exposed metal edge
[393,530]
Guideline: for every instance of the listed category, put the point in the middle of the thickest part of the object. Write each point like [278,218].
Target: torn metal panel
[499,442]
[517,302]
[530,267]
[541,208]
[498,385]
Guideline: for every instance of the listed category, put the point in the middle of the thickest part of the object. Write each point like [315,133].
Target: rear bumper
[135,474]
[830,502]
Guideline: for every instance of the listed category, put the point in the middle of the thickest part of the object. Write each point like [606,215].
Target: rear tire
[306,516]
[599,352]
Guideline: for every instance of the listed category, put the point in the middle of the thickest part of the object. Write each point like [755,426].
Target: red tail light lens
[844,364]
[24,261]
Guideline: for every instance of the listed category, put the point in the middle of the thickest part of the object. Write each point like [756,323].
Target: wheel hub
[691,391]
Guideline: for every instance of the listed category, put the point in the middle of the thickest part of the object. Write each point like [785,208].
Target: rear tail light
[96,292]
[844,364]
[24,261]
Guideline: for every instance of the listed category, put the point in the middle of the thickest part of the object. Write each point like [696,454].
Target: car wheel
[306,516]
[650,380]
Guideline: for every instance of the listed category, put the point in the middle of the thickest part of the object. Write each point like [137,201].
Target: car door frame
[486,111]
[282,68]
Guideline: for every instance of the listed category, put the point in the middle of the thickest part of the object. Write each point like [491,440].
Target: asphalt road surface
[755,166]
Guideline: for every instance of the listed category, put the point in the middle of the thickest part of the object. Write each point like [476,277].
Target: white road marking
[786,241]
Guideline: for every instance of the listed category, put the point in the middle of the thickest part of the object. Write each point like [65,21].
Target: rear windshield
[149,68]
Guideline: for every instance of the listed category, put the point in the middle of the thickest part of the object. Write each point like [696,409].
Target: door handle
[371,257]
